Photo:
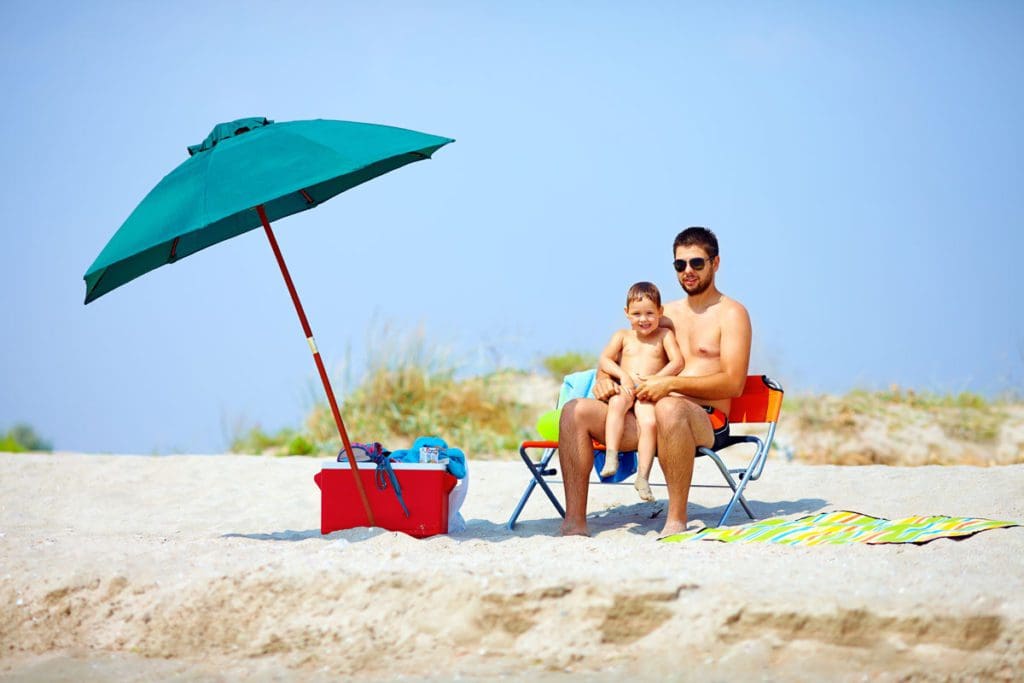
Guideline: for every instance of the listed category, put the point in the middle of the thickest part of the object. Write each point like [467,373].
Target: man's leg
[582,421]
[682,427]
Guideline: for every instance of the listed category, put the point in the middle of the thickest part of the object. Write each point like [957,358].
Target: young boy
[643,350]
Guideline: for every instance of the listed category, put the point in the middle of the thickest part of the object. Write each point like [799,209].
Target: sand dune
[213,568]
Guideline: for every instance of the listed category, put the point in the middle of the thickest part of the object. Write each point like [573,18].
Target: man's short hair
[644,290]
[697,236]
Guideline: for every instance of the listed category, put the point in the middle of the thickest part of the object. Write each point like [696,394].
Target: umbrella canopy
[286,167]
[247,173]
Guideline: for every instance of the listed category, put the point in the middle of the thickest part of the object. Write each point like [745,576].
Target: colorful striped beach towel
[844,526]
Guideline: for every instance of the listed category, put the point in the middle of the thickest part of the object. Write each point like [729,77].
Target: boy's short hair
[697,236]
[644,290]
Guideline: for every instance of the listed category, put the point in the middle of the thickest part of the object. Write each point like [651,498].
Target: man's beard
[699,288]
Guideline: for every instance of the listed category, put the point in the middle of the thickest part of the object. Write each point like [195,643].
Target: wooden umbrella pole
[319,363]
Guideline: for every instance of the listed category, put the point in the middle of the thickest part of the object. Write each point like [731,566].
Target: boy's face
[643,316]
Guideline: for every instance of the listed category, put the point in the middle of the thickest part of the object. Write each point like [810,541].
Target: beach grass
[901,426]
[411,388]
[965,416]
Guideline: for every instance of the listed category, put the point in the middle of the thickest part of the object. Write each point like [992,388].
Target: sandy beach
[208,568]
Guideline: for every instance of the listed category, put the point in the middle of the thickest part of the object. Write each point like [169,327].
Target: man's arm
[727,382]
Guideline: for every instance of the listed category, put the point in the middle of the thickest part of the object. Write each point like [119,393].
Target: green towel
[842,527]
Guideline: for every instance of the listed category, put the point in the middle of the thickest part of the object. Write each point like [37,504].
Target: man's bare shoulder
[671,314]
[732,308]
[674,306]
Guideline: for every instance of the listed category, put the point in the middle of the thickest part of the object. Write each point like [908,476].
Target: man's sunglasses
[696,263]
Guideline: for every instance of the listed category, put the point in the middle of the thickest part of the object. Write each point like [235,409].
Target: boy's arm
[608,362]
[675,355]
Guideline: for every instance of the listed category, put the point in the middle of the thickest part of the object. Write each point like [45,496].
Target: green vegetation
[283,442]
[22,438]
[566,363]
[410,390]
[965,416]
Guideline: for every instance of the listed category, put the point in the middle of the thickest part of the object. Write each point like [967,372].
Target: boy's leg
[645,449]
[618,406]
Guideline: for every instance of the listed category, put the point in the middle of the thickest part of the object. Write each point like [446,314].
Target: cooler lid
[370,465]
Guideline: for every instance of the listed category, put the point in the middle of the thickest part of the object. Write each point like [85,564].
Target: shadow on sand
[638,518]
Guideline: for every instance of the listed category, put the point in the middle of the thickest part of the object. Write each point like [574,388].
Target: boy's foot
[611,464]
[644,489]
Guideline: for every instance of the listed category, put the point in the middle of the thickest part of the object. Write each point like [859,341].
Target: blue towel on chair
[577,385]
[627,467]
[581,385]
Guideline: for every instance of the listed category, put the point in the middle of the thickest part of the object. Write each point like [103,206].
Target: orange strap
[717,417]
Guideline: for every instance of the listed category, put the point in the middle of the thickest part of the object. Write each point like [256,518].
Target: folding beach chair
[760,403]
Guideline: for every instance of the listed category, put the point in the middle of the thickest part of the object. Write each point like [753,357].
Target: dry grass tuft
[903,427]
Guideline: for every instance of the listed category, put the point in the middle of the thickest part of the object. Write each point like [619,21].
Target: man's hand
[654,388]
[604,389]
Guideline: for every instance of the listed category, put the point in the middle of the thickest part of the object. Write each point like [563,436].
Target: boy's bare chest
[638,348]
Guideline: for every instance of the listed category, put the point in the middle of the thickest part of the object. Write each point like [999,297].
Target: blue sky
[859,161]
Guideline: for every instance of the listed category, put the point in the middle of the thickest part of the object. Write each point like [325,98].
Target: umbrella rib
[96,284]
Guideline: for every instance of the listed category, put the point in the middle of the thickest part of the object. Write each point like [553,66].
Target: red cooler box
[425,489]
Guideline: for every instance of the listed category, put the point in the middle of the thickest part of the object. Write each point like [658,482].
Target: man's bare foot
[644,489]
[611,464]
[573,529]
[672,528]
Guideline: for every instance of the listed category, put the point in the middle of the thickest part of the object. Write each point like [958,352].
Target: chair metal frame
[761,403]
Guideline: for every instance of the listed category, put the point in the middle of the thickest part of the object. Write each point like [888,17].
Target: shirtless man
[714,336]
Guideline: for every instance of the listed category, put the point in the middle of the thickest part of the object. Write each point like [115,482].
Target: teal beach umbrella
[246,174]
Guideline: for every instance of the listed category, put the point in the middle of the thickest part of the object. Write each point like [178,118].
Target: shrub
[411,390]
[284,442]
[566,363]
[21,438]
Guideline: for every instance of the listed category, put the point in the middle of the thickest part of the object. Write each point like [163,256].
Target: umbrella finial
[223,131]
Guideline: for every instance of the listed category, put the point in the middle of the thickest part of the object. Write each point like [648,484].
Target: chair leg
[537,470]
[522,503]
[737,489]
[737,496]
